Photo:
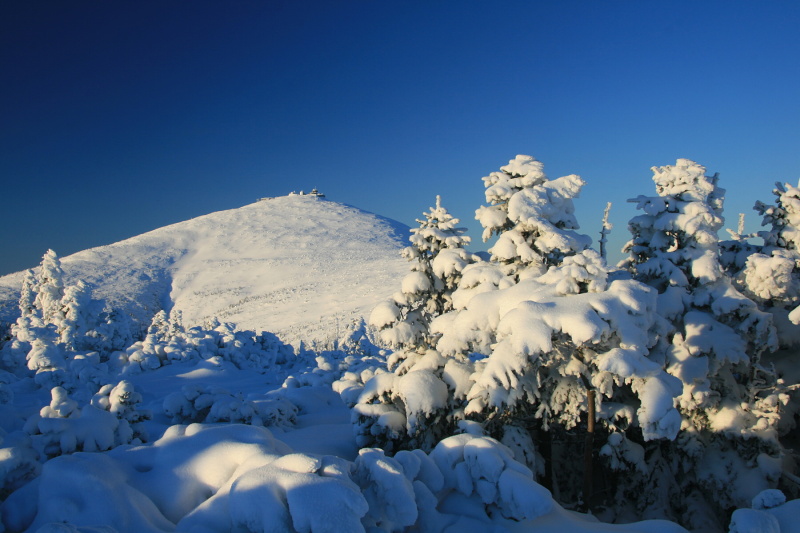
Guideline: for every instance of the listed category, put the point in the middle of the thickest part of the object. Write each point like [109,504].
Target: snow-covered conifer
[783,218]
[50,288]
[533,216]
[114,331]
[437,258]
[545,341]
[27,297]
[159,325]
[48,362]
[771,273]
[716,330]
[528,334]
[23,332]
[605,230]
[76,315]
[175,326]
[713,335]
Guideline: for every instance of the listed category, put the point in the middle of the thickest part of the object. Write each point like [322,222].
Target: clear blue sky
[119,117]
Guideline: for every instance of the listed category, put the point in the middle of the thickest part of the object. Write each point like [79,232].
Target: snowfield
[287,265]
[302,472]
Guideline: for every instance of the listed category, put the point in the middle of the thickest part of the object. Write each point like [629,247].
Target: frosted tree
[551,338]
[712,336]
[48,362]
[516,349]
[437,259]
[159,326]
[783,218]
[175,328]
[76,310]
[771,273]
[27,297]
[50,288]
[605,230]
[56,323]
[40,311]
[735,251]
[675,249]
[532,216]
[23,331]
[114,331]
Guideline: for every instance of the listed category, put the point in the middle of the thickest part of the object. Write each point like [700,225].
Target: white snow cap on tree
[533,216]
[546,338]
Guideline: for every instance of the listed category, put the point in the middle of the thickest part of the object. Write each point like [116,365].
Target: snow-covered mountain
[289,265]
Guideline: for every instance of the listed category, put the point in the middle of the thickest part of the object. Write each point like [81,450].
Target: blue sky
[121,117]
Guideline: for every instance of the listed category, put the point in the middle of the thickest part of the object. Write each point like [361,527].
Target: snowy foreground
[302,471]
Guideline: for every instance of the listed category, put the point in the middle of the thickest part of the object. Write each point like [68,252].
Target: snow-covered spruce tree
[711,338]
[23,331]
[735,251]
[76,315]
[57,324]
[532,216]
[34,343]
[537,348]
[50,288]
[541,366]
[771,273]
[438,257]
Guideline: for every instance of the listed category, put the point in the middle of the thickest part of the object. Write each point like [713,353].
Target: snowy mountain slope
[289,265]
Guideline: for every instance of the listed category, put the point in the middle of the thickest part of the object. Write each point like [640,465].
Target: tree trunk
[587,453]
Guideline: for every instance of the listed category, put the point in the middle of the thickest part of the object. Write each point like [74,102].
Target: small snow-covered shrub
[214,405]
[123,401]
[482,469]
[415,406]
[167,341]
[48,362]
[19,464]
[64,427]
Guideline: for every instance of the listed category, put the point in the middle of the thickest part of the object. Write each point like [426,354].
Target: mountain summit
[298,266]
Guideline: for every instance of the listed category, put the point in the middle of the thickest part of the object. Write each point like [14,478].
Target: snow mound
[297,266]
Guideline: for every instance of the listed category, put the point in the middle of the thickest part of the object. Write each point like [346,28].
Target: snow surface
[285,265]
[307,475]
